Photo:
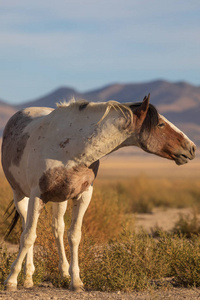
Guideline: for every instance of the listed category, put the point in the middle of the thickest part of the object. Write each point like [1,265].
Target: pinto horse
[53,155]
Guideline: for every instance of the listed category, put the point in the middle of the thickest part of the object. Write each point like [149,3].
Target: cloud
[85,41]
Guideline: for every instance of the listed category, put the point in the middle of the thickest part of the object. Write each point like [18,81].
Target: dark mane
[83,105]
[151,120]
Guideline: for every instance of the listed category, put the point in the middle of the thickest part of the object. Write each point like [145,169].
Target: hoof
[10,287]
[28,284]
[65,275]
[77,289]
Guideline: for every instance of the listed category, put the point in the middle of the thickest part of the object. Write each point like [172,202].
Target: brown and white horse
[53,155]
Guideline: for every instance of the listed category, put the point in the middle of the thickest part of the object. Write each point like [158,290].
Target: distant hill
[50,100]
[179,102]
[6,111]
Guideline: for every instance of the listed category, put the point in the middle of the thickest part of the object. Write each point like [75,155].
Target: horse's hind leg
[58,226]
[21,204]
[74,237]
[27,239]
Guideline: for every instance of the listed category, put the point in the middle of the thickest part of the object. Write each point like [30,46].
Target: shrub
[6,259]
[105,215]
[112,259]
[130,262]
[187,226]
[185,260]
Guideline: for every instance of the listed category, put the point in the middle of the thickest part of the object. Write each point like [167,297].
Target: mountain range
[179,102]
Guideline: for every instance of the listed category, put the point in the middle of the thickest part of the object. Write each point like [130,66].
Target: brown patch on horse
[164,141]
[64,143]
[13,135]
[177,141]
[59,184]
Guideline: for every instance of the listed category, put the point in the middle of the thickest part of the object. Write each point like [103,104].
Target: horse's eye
[161,125]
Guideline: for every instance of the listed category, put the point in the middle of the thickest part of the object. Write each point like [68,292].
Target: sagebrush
[112,258]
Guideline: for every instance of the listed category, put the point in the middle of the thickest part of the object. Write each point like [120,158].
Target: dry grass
[6,196]
[112,258]
[113,198]
[129,262]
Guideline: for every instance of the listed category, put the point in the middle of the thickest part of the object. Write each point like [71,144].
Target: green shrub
[187,225]
[130,262]
[185,261]
[6,259]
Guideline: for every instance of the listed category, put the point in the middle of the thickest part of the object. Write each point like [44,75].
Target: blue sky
[86,44]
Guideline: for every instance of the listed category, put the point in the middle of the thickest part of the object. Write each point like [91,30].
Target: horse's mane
[82,104]
[65,103]
[118,107]
[127,111]
[151,120]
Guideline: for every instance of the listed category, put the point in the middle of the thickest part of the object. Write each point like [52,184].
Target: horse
[52,155]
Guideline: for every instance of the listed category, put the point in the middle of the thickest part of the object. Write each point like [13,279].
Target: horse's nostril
[193,149]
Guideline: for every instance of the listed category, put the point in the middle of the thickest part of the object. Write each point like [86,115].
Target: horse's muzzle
[186,155]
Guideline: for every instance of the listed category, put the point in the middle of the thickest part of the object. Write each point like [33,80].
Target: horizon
[87,44]
[92,90]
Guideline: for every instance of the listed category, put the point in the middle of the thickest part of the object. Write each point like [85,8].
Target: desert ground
[48,293]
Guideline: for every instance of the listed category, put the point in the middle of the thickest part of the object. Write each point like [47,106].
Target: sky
[86,44]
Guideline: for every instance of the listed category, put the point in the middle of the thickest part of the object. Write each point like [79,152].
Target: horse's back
[16,135]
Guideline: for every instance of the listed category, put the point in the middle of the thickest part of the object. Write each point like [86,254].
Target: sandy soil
[161,218]
[48,293]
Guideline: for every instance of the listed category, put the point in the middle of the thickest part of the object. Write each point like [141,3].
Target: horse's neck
[89,139]
[130,141]
[103,141]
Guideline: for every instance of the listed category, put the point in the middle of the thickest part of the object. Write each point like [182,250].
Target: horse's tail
[14,220]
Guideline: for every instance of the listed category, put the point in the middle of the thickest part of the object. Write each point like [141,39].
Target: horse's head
[155,134]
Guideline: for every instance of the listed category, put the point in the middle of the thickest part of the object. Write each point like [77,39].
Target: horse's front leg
[58,227]
[74,237]
[27,239]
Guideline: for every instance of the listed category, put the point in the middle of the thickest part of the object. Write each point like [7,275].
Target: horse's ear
[141,111]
